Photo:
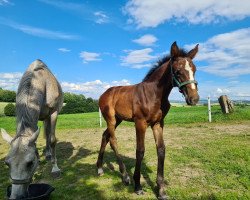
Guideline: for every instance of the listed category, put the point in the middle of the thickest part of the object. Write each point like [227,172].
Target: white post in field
[209,109]
[100,117]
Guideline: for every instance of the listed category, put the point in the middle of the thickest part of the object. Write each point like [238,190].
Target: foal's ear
[193,52]
[174,50]
[6,136]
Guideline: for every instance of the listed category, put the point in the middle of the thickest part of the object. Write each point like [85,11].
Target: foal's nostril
[193,100]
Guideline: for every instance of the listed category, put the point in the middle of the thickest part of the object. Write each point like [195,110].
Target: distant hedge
[78,104]
[10,109]
[7,95]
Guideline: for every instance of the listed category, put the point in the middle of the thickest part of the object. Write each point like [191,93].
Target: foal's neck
[162,79]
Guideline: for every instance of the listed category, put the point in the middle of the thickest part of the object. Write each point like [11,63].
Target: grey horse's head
[22,161]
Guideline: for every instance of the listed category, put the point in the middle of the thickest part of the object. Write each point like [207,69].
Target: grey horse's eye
[6,163]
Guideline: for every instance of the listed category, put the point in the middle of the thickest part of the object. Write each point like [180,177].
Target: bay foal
[146,104]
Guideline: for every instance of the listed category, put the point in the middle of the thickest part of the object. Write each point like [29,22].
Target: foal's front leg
[141,127]
[158,135]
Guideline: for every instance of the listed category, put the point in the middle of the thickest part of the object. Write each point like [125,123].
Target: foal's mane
[160,62]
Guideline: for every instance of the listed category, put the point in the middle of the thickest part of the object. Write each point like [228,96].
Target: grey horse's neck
[29,100]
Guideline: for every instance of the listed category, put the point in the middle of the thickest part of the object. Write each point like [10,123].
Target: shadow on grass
[76,181]
[109,158]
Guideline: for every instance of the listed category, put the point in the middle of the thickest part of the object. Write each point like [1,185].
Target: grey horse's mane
[28,107]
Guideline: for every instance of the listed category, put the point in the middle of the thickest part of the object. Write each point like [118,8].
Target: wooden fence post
[226,104]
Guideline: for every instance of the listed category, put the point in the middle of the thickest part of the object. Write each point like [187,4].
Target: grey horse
[39,97]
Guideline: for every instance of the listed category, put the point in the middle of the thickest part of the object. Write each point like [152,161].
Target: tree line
[78,103]
[73,103]
[7,95]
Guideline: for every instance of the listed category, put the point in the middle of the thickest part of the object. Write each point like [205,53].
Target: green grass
[2,105]
[177,116]
[206,161]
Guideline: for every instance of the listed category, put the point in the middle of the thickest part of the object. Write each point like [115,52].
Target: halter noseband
[176,82]
[20,182]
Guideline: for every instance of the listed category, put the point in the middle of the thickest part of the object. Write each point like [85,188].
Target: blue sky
[93,45]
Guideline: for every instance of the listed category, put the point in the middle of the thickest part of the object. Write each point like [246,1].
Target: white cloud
[38,32]
[234,91]
[138,58]
[226,54]
[5,2]
[101,17]
[148,13]
[146,40]
[89,56]
[75,7]
[222,91]
[93,88]
[64,50]
[10,81]
[85,10]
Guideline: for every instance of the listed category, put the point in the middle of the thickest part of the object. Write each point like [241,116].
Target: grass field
[2,105]
[203,160]
[176,116]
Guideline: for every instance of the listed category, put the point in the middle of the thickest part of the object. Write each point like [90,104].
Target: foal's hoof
[139,192]
[164,197]
[100,171]
[56,174]
[162,194]
[126,180]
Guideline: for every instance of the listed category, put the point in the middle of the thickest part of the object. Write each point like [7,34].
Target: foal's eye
[29,164]
[178,73]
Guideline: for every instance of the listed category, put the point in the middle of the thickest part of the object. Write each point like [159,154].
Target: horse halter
[176,82]
[20,181]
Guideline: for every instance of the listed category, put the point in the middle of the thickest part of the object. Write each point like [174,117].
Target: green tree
[77,103]
[10,109]
[7,95]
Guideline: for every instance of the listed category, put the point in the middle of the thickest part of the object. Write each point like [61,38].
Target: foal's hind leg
[105,140]
[109,136]
[56,172]
[113,143]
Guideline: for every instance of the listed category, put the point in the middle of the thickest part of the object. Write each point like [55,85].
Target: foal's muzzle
[192,100]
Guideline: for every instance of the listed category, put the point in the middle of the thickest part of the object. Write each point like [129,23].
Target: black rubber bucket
[38,191]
